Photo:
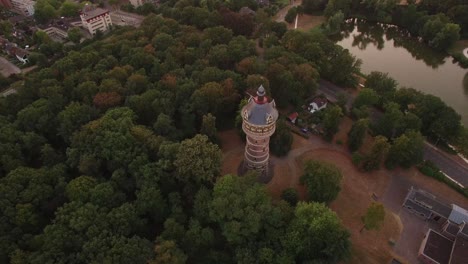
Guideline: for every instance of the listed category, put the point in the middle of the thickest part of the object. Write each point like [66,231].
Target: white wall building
[137,3]
[23,7]
[94,19]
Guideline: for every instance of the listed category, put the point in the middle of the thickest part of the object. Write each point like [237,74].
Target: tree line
[438,23]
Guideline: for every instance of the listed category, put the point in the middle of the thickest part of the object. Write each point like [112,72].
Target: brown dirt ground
[356,193]
[307,22]
[352,203]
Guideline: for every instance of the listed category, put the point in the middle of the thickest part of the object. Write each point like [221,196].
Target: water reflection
[365,33]
[387,48]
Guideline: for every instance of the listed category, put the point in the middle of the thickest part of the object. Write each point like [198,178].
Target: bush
[357,158]
[430,169]
[291,15]
[290,195]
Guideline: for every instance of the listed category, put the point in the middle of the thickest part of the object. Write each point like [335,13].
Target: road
[452,165]
[122,18]
[282,13]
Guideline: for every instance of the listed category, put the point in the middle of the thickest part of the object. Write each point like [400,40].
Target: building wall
[102,23]
[23,7]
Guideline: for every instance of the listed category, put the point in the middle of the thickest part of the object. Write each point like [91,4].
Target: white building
[94,19]
[137,3]
[23,7]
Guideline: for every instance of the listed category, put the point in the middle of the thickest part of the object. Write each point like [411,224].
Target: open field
[358,189]
[307,22]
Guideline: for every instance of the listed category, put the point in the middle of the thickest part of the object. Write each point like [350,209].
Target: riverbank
[459,51]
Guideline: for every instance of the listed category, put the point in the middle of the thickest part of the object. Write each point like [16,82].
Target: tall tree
[281,141]
[208,127]
[198,161]
[316,235]
[406,150]
[357,133]
[322,180]
[378,153]
[331,120]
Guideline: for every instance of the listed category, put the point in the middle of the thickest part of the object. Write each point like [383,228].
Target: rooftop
[320,101]
[430,201]
[91,11]
[458,215]
[259,110]
[460,251]
[438,247]
[452,228]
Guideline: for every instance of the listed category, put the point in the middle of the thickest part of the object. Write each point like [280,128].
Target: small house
[293,117]
[317,104]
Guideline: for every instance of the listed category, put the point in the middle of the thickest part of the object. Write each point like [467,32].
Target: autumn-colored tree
[107,100]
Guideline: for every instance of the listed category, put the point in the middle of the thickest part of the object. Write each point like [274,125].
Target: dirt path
[282,13]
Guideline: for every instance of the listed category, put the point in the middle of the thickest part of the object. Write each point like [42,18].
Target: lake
[387,48]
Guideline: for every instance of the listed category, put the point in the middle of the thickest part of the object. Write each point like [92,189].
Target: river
[387,48]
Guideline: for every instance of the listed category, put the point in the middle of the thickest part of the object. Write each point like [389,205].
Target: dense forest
[109,155]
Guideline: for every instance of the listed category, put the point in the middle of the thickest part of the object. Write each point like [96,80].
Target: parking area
[125,19]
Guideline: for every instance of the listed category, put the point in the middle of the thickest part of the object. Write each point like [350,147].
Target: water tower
[259,122]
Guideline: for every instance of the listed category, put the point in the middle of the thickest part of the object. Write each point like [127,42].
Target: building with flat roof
[95,18]
[435,248]
[450,245]
[427,205]
[23,7]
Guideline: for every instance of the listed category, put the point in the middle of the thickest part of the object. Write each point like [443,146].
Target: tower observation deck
[259,123]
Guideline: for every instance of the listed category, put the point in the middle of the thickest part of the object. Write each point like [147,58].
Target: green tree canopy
[316,235]
[374,217]
[322,180]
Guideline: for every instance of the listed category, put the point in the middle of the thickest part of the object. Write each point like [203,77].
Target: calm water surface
[386,48]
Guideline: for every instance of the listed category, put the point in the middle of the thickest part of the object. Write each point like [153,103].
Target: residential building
[259,123]
[13,50]
[23,7]
[293,117]
[58,29]
[94,19]
[317,104]
[450,245]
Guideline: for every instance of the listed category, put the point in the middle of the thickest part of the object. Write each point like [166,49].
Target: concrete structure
[426,206]
[58,29]
[259,123]
[435,248]
[23,7]
[94,19]
[450,245]
[137,3]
